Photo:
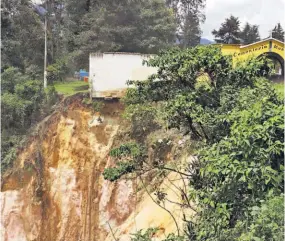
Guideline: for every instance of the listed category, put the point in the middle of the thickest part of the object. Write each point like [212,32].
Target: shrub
[114,173]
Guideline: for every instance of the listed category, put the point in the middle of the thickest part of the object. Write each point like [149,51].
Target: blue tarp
[83,73]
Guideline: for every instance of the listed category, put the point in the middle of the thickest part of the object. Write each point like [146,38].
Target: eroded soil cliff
[56,190]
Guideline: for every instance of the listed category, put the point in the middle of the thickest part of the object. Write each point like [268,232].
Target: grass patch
[71,87]
[279,88]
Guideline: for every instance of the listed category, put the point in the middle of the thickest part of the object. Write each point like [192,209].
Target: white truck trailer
[109,72]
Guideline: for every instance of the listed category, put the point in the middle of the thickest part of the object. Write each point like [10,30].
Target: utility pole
[45,55]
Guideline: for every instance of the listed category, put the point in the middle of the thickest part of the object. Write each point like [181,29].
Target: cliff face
[56,190]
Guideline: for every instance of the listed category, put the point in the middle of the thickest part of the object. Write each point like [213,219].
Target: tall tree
[189,16]
[250,34]
[55,17]
[278,32]
[190,31]
[75,11]
[229,32]
[22,35]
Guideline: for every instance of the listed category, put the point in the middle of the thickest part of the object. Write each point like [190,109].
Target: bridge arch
[277,59]
[270,47]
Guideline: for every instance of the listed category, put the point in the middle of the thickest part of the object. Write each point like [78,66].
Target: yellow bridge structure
[270,47]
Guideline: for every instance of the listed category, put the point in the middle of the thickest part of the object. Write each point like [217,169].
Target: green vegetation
[130,156]
[114,173]
[78,27]
[230,32]
[143,26]
[24,102]
[250,34]
[236,117]
[148,235]
[71,87]
[144,236]
[22,36]
[278,32]
[279,88]
[128,149]
[58,70]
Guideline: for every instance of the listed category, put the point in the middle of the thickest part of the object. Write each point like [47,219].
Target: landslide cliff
[56,191]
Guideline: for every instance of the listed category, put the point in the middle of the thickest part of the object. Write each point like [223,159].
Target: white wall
[110,71]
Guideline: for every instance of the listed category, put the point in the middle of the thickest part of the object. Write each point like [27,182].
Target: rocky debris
[95,121]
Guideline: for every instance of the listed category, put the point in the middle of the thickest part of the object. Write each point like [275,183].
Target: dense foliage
[130,157]
[23,102]
[243,170]
[188,16]
[237,117]
[131,26]
[250,34]
[82,26]
[22,36]
[278,32]
[230,32]
[76,28]
[150,233]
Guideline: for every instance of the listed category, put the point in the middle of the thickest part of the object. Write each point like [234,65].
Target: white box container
[109,72]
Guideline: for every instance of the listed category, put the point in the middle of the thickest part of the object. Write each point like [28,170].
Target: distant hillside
[206,41]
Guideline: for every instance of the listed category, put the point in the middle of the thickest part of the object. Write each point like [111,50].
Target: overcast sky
[265,13]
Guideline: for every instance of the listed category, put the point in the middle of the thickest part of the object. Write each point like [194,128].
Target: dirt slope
[56,190]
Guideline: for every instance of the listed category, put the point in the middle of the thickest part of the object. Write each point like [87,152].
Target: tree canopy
[250,34]
[278,32]
[189,16]
[137,26]
[23,103]
[22,39]
[229,32]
